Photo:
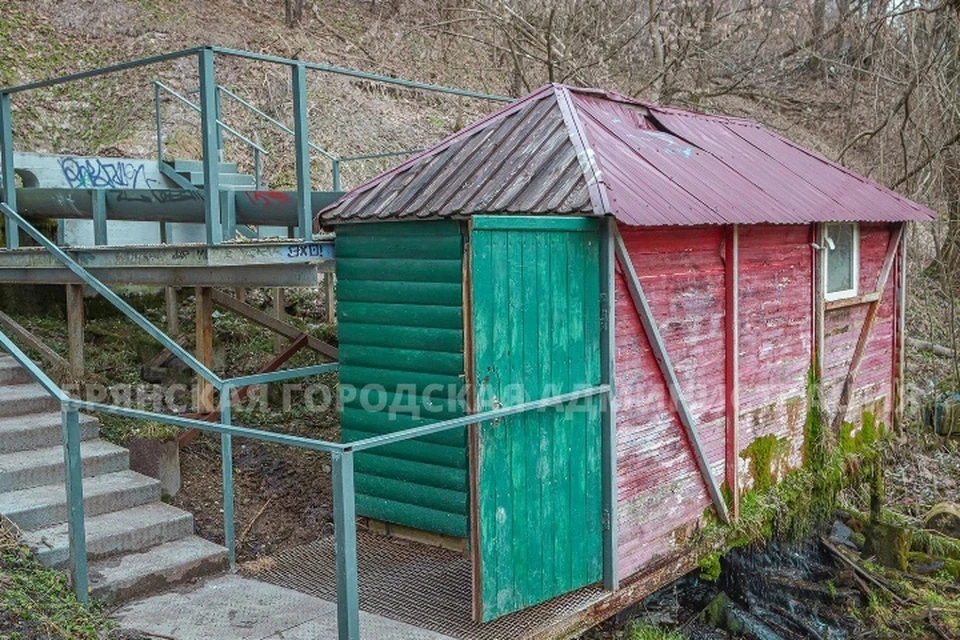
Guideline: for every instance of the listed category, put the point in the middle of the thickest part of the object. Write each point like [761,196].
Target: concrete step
[182,166]
[226,179]
[21,399]
[39,430]
[41,507]
[12,373]
[26,469]
[124,577]
[114,533]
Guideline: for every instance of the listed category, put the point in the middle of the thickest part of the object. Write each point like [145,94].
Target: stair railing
[160,88]
[342,454]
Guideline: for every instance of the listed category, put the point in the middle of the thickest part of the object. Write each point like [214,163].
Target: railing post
[9,184]
[76,530]
[226,453]
[211,161]
[99,197]
[336,173]
[159,123]
[256,169]
[301,133]
[216,100]
[345,531]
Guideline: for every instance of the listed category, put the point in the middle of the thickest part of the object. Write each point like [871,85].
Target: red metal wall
[661,495]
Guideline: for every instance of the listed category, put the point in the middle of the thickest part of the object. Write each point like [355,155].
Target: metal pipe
[158,122]
[210,427]
[335,167]
[9,181]
[286,374]
[493,414]
[76,528]
[226,455]
[345,532]
[105,291]
[277,208]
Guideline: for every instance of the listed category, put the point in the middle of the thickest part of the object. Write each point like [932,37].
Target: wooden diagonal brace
[277,326]
[669,374]
[865,331]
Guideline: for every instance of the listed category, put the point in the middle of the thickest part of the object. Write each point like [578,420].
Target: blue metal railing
[210,126]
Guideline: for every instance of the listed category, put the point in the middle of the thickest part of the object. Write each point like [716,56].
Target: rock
[841,534]
[945,518]
[924,564]
[158,459]
[890,544]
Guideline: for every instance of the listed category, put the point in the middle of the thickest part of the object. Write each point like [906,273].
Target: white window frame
[846,293]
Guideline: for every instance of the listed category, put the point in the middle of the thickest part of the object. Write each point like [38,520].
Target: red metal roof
[568,151]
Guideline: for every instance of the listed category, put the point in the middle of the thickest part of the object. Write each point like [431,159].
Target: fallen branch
[863,573]
[931,347]
[246,529]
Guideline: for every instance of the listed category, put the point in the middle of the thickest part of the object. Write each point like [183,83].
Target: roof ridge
[585,154]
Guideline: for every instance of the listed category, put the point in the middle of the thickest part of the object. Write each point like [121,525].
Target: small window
[841,252]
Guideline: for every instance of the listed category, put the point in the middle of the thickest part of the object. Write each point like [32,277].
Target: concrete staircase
[136,544]
[230,177]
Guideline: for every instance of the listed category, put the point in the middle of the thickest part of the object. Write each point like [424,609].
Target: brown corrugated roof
[568,151]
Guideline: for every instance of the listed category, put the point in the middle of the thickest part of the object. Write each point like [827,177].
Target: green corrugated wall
[400,315]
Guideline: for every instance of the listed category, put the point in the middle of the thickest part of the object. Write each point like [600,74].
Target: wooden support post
[329,284]
[899,336]
[871,319]
[75,320]
[669,374]
[278,312]
[732,359]
[608,436]
[204,297]
[816,265]
[172,310]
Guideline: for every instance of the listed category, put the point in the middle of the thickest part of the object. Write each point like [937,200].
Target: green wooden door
[536,328]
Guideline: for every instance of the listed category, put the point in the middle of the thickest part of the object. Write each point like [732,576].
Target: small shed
[702,265]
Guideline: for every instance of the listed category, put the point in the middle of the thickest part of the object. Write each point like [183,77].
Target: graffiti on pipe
[101,173]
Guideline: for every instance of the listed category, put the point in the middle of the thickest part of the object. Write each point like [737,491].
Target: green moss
[710,567]
[764,454]
[647,631]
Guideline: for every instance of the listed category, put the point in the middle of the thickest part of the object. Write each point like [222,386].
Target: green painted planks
[448,524]
[374,335]
[378,269]
[447,364]
[400,314]
[536,320]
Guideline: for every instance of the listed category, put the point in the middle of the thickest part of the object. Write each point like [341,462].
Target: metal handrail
[257,149]
[221,123]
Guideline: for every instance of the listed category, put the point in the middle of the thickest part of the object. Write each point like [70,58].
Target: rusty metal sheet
[570,151]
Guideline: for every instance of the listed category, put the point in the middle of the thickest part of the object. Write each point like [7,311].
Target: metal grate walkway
[417,584]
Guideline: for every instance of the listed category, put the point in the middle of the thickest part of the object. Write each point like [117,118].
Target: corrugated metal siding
[400,314]
[776,335]
[537,331]
[874,386]
[564,150]
[660,491]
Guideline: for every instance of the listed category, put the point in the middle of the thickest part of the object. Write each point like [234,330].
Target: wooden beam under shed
[732,363]
[204,321]
[266,320]
[75,321]
[669,374]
